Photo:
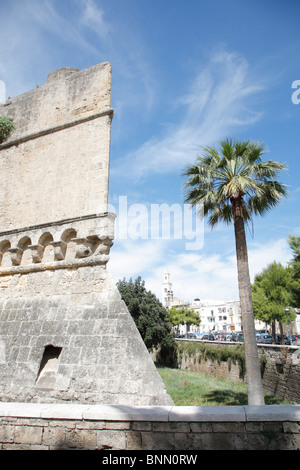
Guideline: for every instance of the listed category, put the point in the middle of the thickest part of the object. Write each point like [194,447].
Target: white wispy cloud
[260,255]
[215,106]
[37,36]
[94,18]
[130,258]
[193,274]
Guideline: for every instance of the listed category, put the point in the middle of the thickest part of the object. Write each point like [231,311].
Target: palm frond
[237,170]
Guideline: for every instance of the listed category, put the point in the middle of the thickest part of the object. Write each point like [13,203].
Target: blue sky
[185,74]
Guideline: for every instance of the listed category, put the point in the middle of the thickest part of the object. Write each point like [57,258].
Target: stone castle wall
[55,165]
[65,333]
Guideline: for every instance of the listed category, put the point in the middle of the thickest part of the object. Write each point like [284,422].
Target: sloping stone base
[66,336]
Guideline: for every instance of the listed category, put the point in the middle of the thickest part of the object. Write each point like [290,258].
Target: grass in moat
[189,388]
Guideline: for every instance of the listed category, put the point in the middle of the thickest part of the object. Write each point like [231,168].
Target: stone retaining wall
[280,372]
[170,428]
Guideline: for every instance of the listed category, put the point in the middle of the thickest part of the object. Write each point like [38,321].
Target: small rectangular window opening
[47,373]
[279,368]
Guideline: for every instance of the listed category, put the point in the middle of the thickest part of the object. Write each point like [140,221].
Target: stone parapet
[169,428]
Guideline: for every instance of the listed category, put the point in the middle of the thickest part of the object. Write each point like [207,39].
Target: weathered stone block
[108,439]
[28,435]
[6,433]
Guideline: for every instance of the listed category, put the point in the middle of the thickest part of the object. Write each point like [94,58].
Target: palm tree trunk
[253,374]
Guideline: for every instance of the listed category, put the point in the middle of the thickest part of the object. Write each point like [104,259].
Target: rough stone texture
[103,358]
[58,155]
[281,376]
[65,333]
[53,427]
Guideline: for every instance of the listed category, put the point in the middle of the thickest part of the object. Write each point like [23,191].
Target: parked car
[222,337]
[278,339]
[292,339]
[192,336]
[265,339]
[232,337]
[209,337]
[240,338]
[200,335]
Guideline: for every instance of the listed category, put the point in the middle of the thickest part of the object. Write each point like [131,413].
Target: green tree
[183,316]
[151,318]
[271,294]
[294,243]
[233,184]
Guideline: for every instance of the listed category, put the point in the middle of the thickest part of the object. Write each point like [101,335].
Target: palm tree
[234,185]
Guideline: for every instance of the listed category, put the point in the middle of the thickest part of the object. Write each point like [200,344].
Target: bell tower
[167,289]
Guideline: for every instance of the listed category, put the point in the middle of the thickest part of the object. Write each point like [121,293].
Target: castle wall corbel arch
[22,253]
[45,247]
[45,239]
[5,245]
[68,247]
[67,243]
[24,242]
[68,234]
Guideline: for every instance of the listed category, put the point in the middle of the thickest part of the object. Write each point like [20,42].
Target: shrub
[6,127]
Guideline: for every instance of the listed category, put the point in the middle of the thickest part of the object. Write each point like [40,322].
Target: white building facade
[218,316]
